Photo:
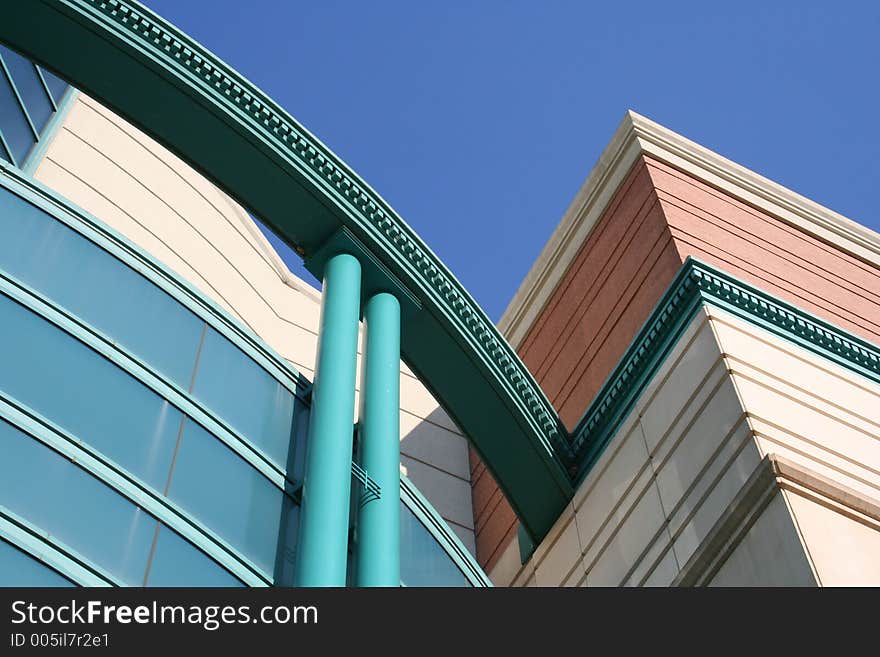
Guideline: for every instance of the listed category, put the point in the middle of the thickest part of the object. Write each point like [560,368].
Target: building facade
[684,391]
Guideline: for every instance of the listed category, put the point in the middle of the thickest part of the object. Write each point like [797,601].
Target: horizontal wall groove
[755,240]
[164,278]
[770,278]
[764,435]
[565,284]
[606,273]
[610,321]
[768,219]
[209,243]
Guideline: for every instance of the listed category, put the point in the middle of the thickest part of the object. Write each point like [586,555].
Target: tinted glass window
[423,562]
[30,87]
[16,131]
[18,568]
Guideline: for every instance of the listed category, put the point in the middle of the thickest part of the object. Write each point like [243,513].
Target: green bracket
[375,277]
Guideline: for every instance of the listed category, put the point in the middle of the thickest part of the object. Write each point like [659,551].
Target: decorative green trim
[46,549]
[438,528]
[623,386]
[127,485]
[698,284]
[788,321]
[274,124]
[168,85]
[157,273]
[53,125]
[336,178]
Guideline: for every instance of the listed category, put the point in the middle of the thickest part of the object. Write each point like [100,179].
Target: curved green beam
[168,85]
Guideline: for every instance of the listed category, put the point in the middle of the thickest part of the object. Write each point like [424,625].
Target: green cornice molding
[368,209]
[698,284]
[178,92]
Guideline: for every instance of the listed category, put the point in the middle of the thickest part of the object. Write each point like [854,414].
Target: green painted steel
[110,473]
[323,543]
[378,527]
[182,95]
[698,284]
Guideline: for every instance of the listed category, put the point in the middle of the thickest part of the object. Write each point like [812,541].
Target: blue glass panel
[423,562]
[56,85]
[18,568]
[299,441]
[76,274]
[177,562]
[246,396]
[14,126]
[232,498]
[3,154]
[81,391]
[30,88]
[288,541]
[75,508]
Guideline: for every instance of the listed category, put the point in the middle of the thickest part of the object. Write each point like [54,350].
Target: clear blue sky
[478,121]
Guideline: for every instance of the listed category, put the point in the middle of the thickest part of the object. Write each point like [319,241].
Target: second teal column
[378,529]
[323,542]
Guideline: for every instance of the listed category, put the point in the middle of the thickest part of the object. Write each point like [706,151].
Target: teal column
[378,529]
[323,539]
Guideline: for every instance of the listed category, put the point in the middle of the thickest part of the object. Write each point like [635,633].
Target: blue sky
[478,121]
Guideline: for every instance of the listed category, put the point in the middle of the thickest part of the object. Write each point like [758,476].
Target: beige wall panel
[688,366]
[729,471]
[844,550]
[149,195]
[610,483]
[657,552]
[804,407]
[558,558]
[846,472]
[698,444]
[770,554]
[635,534]
[425,441]
[662,574]
[449,495]
[507,567]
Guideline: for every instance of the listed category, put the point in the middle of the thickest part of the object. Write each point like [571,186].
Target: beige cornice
[637,136]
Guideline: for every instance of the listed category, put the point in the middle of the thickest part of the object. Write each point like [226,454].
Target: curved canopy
[168,85]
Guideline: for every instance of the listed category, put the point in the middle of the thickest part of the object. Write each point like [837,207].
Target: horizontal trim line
[144,374]
[124,483]
[695,285]
[163,277]
[56,555]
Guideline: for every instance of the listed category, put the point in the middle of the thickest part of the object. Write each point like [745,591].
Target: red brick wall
[657,218]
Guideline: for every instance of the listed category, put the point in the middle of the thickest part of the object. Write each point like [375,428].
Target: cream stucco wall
[683,492]
[139,188]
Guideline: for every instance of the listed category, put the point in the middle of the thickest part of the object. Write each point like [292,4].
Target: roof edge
[635,136]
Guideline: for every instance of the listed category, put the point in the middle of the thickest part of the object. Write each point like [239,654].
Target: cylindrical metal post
[323,535]
[378,529]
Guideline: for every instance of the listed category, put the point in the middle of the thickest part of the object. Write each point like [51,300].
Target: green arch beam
[168,85]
